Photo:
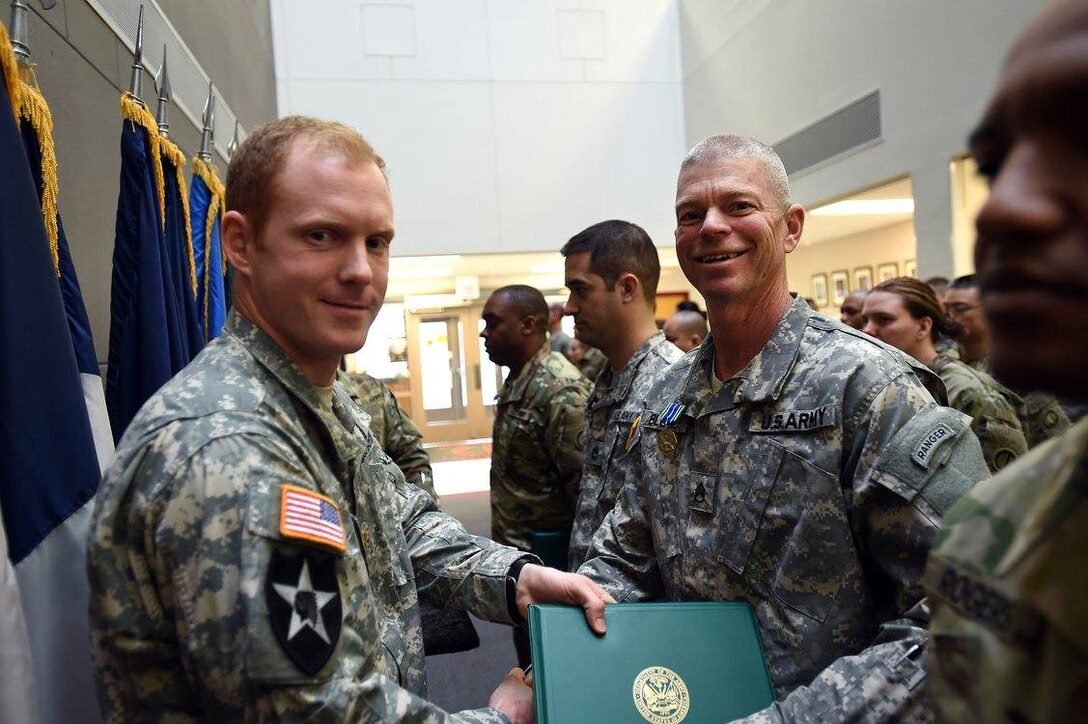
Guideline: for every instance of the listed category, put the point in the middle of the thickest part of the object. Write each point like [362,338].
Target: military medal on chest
[667,442]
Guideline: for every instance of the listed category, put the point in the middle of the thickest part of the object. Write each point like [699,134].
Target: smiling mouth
[714,258]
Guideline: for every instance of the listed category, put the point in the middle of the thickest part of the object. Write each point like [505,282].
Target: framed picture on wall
[887,271]
[819,289]
[910,268]
[863,278]
[840,286]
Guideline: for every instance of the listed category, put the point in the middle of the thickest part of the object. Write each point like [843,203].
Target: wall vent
[845,131]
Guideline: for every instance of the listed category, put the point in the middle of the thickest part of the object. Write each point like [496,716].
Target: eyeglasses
[958,309]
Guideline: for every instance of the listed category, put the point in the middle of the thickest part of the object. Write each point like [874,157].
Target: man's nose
[1022,205]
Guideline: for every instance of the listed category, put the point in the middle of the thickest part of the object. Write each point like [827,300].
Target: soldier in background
[589,360]
[396,433]
[254,555]
[558,340]
[612,272]
[536,448]
[1006,580]
[1041,414]
[905,313]
[686,329]
[791,462]
[852,311]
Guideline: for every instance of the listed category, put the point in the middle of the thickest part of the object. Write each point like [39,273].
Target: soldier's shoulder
[845,353]
[556,372]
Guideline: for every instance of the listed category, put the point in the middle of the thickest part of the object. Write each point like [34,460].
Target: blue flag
[206,207]
[49,469]
[181,276]
[146,348]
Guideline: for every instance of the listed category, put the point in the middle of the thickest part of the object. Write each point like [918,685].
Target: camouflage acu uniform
[614,405]
[396,433]
[191,615]
[1006,584]
[992,408]
[811,485]
[592,363]
[536,449]
[1041,416]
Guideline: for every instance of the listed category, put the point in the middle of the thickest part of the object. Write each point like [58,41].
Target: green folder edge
[759,692]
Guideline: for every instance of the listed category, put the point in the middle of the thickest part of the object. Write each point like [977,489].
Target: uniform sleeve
[404,443]
[908,462]
[565,433]
[180,618]
[996,425]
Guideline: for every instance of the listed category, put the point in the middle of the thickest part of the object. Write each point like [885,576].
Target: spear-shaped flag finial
[207,134]
[136,79]
[165,95]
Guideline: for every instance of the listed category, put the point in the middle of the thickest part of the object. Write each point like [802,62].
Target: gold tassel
[35,110]
[137,112]
[10,69]
[177,158]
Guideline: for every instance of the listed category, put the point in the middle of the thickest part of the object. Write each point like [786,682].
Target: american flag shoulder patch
[309,516]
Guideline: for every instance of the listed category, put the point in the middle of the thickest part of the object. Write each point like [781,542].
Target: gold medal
[666,442]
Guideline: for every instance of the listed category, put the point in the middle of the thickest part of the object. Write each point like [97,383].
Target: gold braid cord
[135,111]
[10,69]
[173,154]
[35,110]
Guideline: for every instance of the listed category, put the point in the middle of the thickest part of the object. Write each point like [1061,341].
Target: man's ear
[236,236]
[925,324]
[629,286]
[795,225]
[527,325]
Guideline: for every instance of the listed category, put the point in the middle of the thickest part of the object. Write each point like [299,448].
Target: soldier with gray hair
[791,462]
[254,554]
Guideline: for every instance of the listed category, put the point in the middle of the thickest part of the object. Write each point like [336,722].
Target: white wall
[507,125]
[770,68]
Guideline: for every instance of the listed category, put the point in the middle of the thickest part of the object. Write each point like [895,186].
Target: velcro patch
[309,516]
[793,420]
[931,442]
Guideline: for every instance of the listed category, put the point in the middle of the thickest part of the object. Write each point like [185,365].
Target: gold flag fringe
[33,108]
[10,69]
[135,111]
[173,154]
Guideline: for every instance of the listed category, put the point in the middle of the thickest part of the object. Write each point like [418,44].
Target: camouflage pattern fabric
[611,414]
[592,364]
[1007,589]
[991,406]
[396,433]
[810,484]
[189,522]
[1042,417]
[536,451]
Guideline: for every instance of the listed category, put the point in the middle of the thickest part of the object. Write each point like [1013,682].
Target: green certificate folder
[663,663]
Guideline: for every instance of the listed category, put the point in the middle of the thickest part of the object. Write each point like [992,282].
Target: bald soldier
[686,329]
[254,555]
[1006,580]
[790,461]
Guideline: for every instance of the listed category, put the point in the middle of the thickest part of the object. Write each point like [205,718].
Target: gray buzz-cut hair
[732,146]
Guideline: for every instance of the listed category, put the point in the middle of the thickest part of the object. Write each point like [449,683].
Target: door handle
[477,378]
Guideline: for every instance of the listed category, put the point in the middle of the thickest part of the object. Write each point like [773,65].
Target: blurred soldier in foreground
[612,271]
[686,330]
[1006,580]
[905,313]
[791,462]
[1041,414]
[852,311]
[254,554]
[395,432]
[536,453]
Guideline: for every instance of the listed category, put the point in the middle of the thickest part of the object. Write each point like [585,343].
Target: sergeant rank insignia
[304,608]
[661,696]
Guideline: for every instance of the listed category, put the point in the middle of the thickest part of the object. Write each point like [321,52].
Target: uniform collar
[340,422]
[515,389]
[615,386]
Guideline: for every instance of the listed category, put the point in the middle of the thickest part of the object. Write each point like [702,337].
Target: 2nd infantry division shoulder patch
[304,607]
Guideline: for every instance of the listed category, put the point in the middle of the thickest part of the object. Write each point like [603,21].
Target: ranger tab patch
[309,516]
[923,454]
[793,420]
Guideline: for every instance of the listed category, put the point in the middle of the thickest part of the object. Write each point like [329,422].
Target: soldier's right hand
[513,698]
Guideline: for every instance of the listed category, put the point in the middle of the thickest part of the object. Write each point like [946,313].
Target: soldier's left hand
[538,584]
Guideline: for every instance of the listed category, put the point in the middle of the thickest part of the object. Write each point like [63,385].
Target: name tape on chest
[624,417]
[793,420]
[311,517]
[939,435]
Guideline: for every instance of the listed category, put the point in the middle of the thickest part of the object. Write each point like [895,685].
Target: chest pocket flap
[934,459]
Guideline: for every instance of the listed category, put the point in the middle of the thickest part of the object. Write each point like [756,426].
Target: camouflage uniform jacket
[1041,416]
[536,448]
[193,561]
[614,404]
[396,433]
[811,485]
[1007,589]
[992,408]
[592,364]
